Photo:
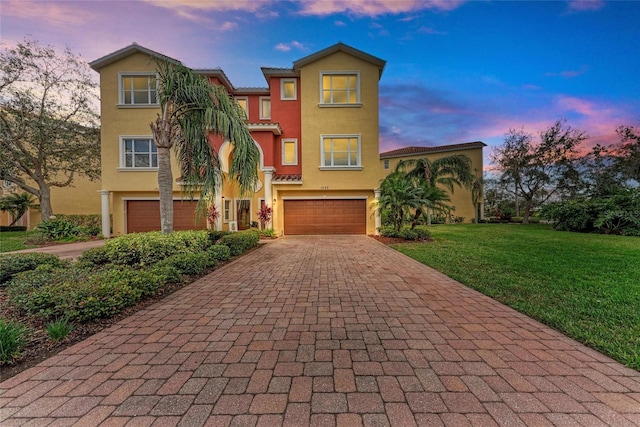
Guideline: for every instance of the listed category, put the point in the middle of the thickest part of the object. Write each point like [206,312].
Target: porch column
[106,220]
[378,219]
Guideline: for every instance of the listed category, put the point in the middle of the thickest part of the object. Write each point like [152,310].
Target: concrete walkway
[325,331]
[66,250]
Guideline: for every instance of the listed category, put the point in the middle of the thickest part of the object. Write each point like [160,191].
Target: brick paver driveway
[325,331]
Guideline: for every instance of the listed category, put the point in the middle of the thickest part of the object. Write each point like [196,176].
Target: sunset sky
[456,71]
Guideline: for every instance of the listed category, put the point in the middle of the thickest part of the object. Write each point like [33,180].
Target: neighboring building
[315,125]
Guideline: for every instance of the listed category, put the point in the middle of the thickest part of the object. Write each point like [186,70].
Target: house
[315,125]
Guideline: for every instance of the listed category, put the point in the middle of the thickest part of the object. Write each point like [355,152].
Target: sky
[457,71]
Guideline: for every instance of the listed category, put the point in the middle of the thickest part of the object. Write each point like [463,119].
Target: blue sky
[456,71]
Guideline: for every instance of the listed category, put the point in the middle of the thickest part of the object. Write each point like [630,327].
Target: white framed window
[265,108]
[138,152]
[138,89]
[340,88]
[340,151]
[289,151]
[288,90]
[243,102]
[386,164]
[227,211]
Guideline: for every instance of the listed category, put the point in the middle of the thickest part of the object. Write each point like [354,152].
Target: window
[139,153]
[138,89]
[265,108]
[288,89]
[243,102]
[386,164]
[226,216]
[340,88]
[289,151]
[340,151]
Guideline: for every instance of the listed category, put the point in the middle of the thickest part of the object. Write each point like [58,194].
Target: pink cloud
[228,26]
[219,5]
[568,74]
[57,14]
[375,7]
[586,5]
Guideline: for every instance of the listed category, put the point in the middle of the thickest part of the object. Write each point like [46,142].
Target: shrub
[56,229]
[13,338]
[269,232]
[241,242]
[141,249]
[94,257]
[220,252]
[215,235]
[90,225]
[12,264]
[406,233]
[58,329]
[93,296]
[189,263]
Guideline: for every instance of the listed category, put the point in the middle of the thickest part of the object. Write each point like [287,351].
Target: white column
[106,220]
[378,219]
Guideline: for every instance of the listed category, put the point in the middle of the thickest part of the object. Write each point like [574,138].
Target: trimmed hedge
[87,296]
[139,249]
[189,263]
[241,241]
[220,252]
[12,264]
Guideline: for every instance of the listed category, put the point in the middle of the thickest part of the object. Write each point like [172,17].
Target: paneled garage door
[335,216]
[144,215]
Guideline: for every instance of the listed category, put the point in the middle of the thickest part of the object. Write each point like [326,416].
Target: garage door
[325,216]
[144,215]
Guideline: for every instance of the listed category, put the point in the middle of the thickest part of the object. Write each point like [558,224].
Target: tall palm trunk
[163,138]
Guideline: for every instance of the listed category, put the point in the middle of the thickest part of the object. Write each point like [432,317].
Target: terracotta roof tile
[287,178]
[412,151]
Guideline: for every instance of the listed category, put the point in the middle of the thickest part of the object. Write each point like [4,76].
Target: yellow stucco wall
[461,197]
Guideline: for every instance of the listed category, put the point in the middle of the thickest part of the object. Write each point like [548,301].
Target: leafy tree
[49,131]
[17,205]
[191,110]
[535,171]
[628,152]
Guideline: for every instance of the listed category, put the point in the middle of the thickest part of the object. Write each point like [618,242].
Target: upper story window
[138,89]
[340,88]
[289,151]
[288,90]
[386,164]
[138,153]
[243,102]
[340,151]
[265,108]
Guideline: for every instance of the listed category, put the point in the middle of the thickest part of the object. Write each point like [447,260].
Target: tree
[17,205]
[477,185]
[448,171]
[535,171]
[398,195]
[628,152]
[49,131]
[191,110]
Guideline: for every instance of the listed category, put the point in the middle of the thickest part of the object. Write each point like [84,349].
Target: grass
[584,285]
[13,241]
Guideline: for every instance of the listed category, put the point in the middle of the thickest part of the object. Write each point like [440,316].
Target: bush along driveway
[326,331]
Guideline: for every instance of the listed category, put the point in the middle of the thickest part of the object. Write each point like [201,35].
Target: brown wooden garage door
[335,216]
[144,215]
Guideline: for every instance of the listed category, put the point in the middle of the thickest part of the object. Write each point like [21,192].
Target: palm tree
[398,195]
[17,205]
[191,109]
[446,171]
[432,199]
[477,193]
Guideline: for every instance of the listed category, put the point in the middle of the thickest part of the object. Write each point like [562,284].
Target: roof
[340,47]
[125,52]
[287,179]
[217,73]
[416,151]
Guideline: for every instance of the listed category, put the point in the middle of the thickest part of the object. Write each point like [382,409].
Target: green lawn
[585,285]
[13,241]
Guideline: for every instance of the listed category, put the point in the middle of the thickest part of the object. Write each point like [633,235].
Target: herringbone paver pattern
[326,331]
